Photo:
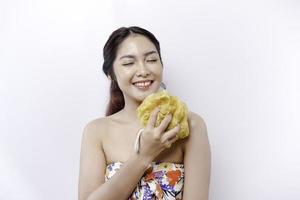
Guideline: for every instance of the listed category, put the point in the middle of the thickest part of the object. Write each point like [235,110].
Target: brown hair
[116,101]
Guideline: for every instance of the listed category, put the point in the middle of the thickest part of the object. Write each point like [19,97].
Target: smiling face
[137,60]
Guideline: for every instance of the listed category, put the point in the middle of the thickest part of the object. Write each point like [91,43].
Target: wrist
[144,161]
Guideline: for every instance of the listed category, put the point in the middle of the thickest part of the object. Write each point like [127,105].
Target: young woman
[165,168]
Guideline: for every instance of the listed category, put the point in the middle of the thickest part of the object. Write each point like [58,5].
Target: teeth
[143,84]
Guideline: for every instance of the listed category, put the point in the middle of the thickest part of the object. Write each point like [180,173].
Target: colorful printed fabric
[161,181]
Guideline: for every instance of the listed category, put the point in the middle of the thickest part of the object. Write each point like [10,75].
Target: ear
[109,77]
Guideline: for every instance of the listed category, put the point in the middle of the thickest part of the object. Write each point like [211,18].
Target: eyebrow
[132,56]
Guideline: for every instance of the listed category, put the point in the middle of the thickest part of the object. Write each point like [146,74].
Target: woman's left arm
[197,160]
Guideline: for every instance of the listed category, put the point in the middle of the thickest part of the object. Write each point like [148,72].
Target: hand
[154,139]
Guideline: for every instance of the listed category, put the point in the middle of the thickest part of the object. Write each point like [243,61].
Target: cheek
[125,78]
[157,71]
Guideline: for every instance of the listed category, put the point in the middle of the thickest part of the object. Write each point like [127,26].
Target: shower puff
[168,104]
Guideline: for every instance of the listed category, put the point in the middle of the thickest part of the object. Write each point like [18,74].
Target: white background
[235,63]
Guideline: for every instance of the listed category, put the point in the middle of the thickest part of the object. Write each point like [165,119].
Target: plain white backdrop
[235,63]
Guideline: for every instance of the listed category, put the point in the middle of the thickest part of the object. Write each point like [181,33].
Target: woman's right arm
[92,185]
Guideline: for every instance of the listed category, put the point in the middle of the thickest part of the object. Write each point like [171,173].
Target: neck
[129,113]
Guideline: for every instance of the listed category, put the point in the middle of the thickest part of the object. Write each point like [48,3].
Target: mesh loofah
[168,104]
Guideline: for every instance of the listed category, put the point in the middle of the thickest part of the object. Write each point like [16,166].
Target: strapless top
[161,181]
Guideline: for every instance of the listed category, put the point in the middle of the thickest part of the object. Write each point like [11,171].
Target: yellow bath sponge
[168,104]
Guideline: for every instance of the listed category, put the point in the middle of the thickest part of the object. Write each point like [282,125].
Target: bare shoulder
[197,128]
[92,158]
[96,128]
[197,159]
[195,120]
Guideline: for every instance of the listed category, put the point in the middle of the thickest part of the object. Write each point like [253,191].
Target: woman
[164,167]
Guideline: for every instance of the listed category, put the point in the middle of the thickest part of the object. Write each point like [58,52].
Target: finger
[153,117]
[169,143]
[174,139]
[170,134]
[164,123]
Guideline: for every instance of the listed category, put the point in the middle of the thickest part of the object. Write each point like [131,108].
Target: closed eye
[127,64]
[152,60]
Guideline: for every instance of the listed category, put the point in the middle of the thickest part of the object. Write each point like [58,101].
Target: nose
[142,70]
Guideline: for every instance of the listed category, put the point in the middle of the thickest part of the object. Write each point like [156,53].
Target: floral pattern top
[161,181]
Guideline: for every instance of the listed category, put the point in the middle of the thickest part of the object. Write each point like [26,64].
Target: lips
[143,84]
[142,81]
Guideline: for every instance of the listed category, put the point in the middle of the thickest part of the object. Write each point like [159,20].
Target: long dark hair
[116,100]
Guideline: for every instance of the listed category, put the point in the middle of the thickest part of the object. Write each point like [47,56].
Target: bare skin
[194,152]
[119,146]
[110,139]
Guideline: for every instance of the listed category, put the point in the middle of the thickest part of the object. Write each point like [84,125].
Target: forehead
[135,45]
